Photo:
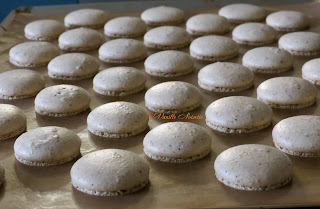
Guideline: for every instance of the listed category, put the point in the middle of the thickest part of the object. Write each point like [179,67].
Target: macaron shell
[253,167]
[110,172]
[13,121]
[162,15]
[90,18]
[43,30]
[311,71]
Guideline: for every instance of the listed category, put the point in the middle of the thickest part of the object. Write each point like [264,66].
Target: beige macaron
[173,97]
[254,34]
[267,60]
[238,114]
[62,100]
[287,92]
[110,172]
[89,18]
[311,71]
[47,146]
[125,27]
[33,54]
[298,135]
[2,172]
[288,21]
[43,30]
[80,39]
[167,37]
[12,121]
[207,24]
[241,13]
[177,142]
[73,66]
[119,81]
[169,63]
[225,77]
[118,120]
[253,167]
[122,51]
[20,83]
[301,43]
[213,48]
[162,15]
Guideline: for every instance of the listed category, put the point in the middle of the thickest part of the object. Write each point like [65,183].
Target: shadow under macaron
[25,104]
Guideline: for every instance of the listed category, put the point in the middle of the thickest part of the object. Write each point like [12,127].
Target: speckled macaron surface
[2,172]
[311,71]
[288,21]
[169,63]
[298,135]
[12,121]
[207,24]
[213,48]
[89,18]
[241,13]
[225,77]
[177,142]
[117,120]
[267,60]
[43,30]
[287,92]
[62,100]
[167,37]
[253,167]
[301,43]
[47,146]
[125,27]
[119,81]
[238,114]
[20,83]
[73,66]
[110,172]
[162,15]
[122,51]
[173,97]
[254,34]
[33,54]
[80,39]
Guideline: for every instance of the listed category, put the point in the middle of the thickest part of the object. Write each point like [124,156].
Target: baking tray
[190,185]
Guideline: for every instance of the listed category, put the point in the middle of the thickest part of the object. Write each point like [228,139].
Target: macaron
[125,27]
[122,51]
[80,39]
[298,136]
[62,100]
[301,43]
[33,54]
[311,71]
[225,77]
[117,120]
[73,66]
[20,83]
[173,97]
[288,21]
[213,48]
[162,15]
[12,121]
[253,167]
[241,13]
[287,92]
[119,81]
[169,63]
[89,18]
[110,172]
[267,60]
[47,146]
[167,37]
[2,172]
[238,114]
[207,24]
[43,30]
[177,142]
[254,34]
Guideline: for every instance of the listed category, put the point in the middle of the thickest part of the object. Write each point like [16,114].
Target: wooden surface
[190,185]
